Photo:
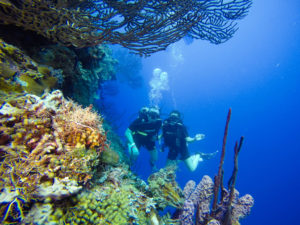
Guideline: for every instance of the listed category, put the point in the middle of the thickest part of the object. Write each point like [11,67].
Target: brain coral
[115,201]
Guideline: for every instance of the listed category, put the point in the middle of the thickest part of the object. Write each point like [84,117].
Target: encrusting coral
[46,141]
[79,73]
[19,73]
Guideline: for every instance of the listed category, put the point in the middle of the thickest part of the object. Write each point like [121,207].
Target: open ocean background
[257,74]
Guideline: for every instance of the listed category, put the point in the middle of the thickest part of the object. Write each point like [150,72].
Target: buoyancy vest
[145,128]
[174,132]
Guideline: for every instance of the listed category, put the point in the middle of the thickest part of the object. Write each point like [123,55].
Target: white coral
[60,189]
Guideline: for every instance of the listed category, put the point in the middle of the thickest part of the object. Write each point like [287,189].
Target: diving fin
[207,156]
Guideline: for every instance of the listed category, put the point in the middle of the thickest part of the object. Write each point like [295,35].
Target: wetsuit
[145,132]
[174,134]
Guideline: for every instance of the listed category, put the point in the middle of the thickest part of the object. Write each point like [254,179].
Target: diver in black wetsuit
[143,131]
[176,139]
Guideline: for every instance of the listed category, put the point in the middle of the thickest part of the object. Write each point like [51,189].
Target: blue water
[257,74]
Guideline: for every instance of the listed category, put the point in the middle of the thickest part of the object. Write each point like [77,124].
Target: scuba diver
[176,139]
[143,131]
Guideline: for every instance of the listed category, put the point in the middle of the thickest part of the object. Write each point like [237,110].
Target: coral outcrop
[19,73]
[198,197]
[165,189]
[197,205]
[49,149]
[227,210]
[116,199]
[79,73]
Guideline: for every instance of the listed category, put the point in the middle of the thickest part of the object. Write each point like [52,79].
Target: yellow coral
[7,87]
[171,194]
[44,70]
[6,71]
[165,189]
[35,152]
[37,87]
[110,157]
[21,73]
[5,2]
[109,206]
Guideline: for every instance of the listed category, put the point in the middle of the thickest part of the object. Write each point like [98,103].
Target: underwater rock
[53,66]
[115,142]
[83,70]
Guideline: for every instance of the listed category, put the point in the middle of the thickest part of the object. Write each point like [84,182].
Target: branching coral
[229,209]
[47,140]
[198,199]
[79,126]
[142,26]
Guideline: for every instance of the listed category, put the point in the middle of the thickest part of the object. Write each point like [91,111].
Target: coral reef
[84,70]
[19,73]
[112,205]
[49,147]
[241,207]
[60,164]
[95,66]
[78,73]
[230,208]
[198,199]
[144,27]
[114,200]
[165,189]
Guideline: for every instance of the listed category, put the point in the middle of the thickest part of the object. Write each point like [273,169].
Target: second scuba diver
[176,139]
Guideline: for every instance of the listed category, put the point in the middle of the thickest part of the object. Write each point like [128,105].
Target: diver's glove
[207,156]
[199,137]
